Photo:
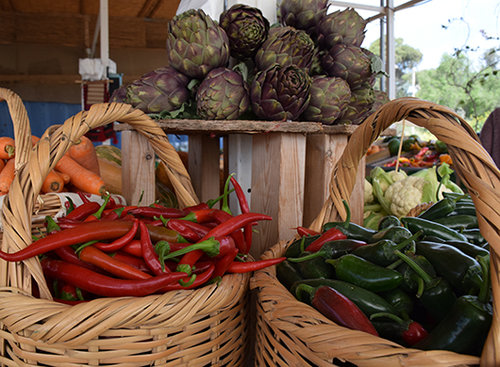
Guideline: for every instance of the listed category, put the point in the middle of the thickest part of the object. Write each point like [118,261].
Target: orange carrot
[65,177]
[81,177]
[7,175]
[2,164]
[7,147]
[52,183]
[84,153]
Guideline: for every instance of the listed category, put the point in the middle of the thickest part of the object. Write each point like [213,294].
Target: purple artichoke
[246,28]
[286,46]
[196,44]
[345,26]
[280,93]
[223,94]
[302,14]
[329,98]
[163,89]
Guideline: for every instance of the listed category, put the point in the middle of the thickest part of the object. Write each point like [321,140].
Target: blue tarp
[44,114]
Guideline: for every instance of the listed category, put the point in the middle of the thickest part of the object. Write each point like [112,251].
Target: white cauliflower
[397,175]
[368,192]
[404,195]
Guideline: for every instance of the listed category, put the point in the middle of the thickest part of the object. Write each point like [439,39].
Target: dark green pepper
[400,300]
[298,246]
[458,222]
[465,327]
[462,271]
[474,235]
[394,233]
[465,210]
[469,248]
[369,302]
[315,268]
[430,228]
[389,221]
[412,282]
[351,230]
[436,295]
[287,273]
[358,271]
[439,209]
[331,250]
[382,252]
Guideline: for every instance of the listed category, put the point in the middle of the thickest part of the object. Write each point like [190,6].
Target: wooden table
[283,167]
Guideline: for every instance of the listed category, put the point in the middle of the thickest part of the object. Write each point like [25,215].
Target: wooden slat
[72,30]
[248,126]
[40,78]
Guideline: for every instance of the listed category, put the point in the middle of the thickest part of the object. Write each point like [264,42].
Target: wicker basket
[291,333]
[202,327]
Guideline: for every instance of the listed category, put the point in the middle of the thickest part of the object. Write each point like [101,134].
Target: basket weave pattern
[291,333]
[201,327]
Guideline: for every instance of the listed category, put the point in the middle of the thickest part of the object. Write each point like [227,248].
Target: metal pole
[391,54]
[103,19]
[382,47]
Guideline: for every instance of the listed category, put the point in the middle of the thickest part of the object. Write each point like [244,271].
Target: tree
[406,59]
[464,86]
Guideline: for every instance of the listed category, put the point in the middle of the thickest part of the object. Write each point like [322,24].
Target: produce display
[396,192]
[310,66]
[422,282]
[77,170]
[112,250]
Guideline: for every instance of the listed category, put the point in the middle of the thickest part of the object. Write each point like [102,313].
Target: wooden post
[138,169]
[204,165]
[278,162]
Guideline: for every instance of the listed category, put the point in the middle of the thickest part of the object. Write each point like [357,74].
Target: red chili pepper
[67,254]
[150,212]
[136,262]
[223,263]
[242,200]
[180,224]
[187,232]
[111,264]
[103,285]
[330,235]
[164,234]
[226,245]
[68,292]
[119,242]
[304,231]
[200,215]
[200,280]
[84,232]
[245,267]
[414,333]
[83,211]
[148,252]
[83,197]
[221,216]
[197,207]
[68,302]
[340,309]
[133,248]
[421,153]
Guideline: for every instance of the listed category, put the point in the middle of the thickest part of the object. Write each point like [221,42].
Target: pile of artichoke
[308,67]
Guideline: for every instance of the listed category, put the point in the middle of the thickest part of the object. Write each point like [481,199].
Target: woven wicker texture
[201,327]
[291,333]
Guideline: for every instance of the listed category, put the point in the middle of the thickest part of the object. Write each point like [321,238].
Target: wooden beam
[40,78]
[72,30]
[148,8]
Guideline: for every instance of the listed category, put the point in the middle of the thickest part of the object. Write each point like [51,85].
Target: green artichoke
[223,94]
[349,62]
[280,93]
[196,44]
[246,27]
[329,98]
[163,89]
[381,98]
[286,46]
[359,107]
[345,26]
[302,14]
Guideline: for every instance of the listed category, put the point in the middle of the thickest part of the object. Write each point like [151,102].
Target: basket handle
[472,163]
[36,162]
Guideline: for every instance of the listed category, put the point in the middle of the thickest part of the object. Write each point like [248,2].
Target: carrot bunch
[77,170]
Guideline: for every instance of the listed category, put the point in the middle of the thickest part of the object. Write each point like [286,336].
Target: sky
[420,26]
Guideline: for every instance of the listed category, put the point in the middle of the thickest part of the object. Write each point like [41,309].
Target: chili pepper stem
[412,264]
[388,315]
[405,243]
[484,290]
[209,246]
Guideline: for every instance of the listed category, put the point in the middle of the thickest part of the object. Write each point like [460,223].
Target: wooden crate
[284,167]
